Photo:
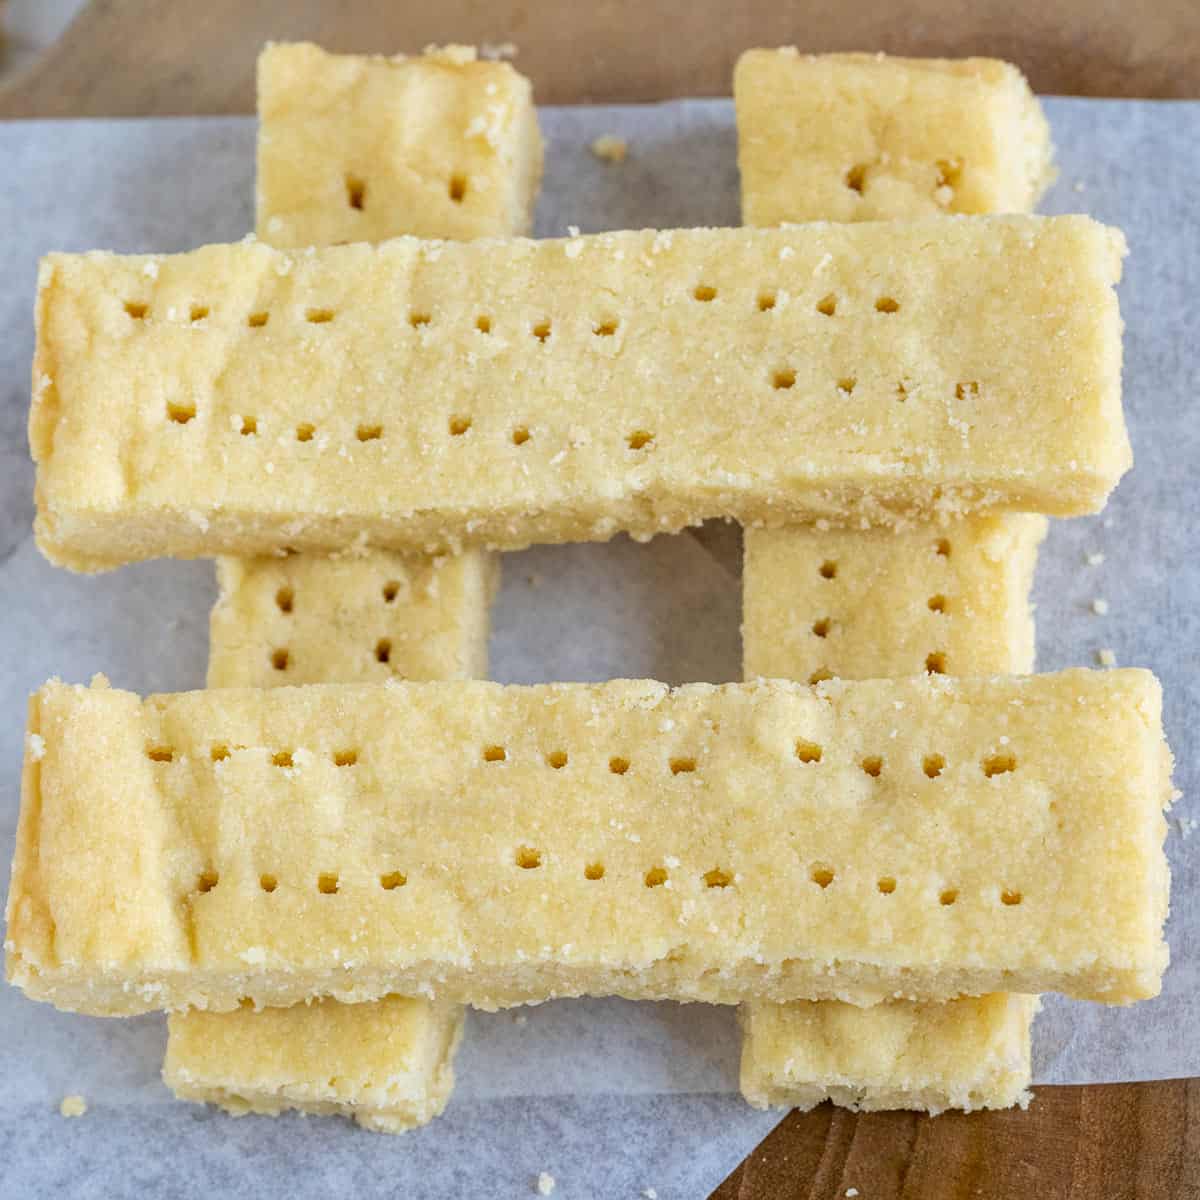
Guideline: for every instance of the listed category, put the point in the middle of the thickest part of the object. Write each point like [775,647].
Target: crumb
[1106,658]
[610,148]
[1187,826]
[545,1183]
[851,1193]
[73,1106]
[650,1194]
[520,1019]
[1095,559]
[36,745]
[1100,607]
[498,50]
[1107,522]
[1079,185]
[534,580]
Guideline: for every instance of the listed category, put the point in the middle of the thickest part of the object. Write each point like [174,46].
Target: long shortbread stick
[499,845]
[858,137]
[352,148]
[417,395]
[863,604]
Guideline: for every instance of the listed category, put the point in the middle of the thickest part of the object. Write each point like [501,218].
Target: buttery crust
[867,137]
[625,381]
[500,845]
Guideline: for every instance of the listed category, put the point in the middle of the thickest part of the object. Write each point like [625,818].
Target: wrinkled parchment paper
[610,1097]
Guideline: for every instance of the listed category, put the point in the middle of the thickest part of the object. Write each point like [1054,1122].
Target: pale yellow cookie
[388,1064]
[862,604]
[969,1053]
[914,838]
[359,148]
[866,137]
[417,395]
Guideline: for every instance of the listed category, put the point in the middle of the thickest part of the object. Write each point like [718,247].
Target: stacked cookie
[356,428]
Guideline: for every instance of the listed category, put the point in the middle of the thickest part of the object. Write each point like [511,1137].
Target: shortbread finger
[358,148]
[395,133]
[240,399]
[864,604]
[866,137]
[388,1064]
[919,838]
[969,1053]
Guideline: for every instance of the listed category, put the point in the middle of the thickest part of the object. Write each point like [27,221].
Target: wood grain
[150,58]
[1133,1141]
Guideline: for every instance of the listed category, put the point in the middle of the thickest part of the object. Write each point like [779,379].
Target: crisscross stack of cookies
[882,846]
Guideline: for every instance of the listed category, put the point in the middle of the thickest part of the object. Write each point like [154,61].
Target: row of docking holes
[181,412]
[529,858]
[542,330]
[935,660]
[807,753]
[356,190]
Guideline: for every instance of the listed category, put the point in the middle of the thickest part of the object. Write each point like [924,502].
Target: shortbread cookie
[865,137]
[420,395]
[915,838]
[969,1053]
[362,619]
[388,1064]
[863,604]
[359,148]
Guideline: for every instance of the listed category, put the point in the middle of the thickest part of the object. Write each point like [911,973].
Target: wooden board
[1121,1141]
[147,58]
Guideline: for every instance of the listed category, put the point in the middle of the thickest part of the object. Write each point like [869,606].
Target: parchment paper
[609,1097]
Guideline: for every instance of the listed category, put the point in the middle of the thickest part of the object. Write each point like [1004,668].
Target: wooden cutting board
[148,58]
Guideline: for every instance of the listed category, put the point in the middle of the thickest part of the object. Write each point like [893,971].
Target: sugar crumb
[610,148]
[73,1106]
[1187,826]
[650,1193]
[498,50]
[1079,186]
[1105,657]
[36,745]
[1095,559]
[851,1193]
[545,1183]
[1100,607]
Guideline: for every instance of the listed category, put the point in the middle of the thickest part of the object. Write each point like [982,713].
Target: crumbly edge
[424,1097]
[1000,1077]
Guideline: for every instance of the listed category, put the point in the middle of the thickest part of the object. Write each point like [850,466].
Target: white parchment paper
[610,1097]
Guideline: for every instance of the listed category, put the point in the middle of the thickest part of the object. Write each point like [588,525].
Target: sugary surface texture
[358,148]
[388,1064]
[865,137]
[918,838]
[360,619]
[968,1053]
[625,381]
[863,604]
